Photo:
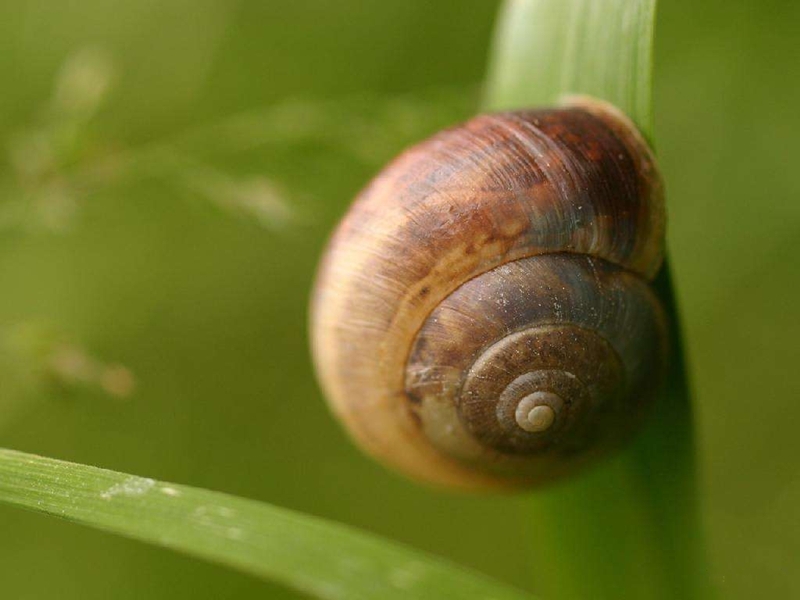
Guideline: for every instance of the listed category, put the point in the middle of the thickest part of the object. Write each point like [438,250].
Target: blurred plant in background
[170,170]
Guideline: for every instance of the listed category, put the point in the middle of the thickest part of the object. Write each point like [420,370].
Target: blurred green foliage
[168,173]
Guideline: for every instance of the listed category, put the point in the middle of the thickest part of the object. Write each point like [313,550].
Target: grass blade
[308,554]
[629,528]
[545,49]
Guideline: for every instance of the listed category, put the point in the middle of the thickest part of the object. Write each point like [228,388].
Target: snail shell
[483,317]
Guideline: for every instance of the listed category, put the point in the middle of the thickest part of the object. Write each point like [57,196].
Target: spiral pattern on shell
[482,316]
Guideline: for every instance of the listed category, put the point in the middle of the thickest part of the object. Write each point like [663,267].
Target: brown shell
[497,189]
[571,325]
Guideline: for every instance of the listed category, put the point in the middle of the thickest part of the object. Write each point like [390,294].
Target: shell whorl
[551,331]
[536,198]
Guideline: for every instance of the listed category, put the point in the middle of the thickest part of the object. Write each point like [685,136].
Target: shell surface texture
[483,315]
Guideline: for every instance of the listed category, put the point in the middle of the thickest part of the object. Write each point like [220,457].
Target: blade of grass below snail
[630,527]
[305,553]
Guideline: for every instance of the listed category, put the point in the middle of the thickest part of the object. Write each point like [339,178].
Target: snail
[483,315]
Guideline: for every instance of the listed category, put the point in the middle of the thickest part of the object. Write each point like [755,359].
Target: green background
[168,173]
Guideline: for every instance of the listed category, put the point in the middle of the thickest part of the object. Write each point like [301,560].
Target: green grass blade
[628,528]
[308,554]
[545,49]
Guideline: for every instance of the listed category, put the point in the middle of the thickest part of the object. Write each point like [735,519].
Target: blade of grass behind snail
[630,527]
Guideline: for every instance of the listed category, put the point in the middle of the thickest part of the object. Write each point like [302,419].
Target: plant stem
[629,528]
